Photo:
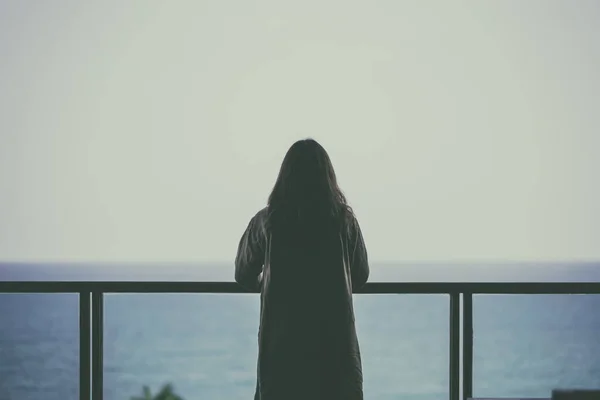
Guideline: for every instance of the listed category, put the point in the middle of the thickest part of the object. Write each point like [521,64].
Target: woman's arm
[251,255]
[359,263]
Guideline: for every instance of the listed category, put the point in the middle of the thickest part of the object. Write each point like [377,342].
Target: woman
[305,253]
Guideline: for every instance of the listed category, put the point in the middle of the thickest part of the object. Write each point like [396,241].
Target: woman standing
[305,253]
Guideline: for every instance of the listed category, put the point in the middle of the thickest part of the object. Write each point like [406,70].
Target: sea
[205,345]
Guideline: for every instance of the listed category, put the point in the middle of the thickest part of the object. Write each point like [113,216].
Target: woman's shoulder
[350,224]
[259,221]
[262,213]
[348,217]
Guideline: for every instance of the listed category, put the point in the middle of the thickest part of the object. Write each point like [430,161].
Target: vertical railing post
[97,333]
[84,345]
[454,346]
[467,360]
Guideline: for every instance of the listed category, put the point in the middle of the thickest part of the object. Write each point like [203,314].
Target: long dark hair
[307,186]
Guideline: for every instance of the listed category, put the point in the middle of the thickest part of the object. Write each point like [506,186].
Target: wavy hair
[307,185]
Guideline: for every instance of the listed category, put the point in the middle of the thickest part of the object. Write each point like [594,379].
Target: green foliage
[165,393]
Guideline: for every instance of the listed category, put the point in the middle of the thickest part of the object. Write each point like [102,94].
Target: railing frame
[91,325]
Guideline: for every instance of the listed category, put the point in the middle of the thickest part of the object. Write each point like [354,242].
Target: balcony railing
[91,315]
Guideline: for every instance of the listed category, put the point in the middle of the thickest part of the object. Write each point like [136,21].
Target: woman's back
[310,253]
[307,336]
[307,271]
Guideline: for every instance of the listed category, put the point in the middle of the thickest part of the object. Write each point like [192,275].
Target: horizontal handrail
[233,287]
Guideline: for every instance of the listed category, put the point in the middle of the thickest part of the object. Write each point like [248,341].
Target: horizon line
[204,263]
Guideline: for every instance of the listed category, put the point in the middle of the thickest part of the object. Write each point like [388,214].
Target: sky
[153,131]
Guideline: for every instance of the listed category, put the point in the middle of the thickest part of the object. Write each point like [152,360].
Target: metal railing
[91,315]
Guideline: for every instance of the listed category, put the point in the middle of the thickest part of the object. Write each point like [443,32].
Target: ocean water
[206,344]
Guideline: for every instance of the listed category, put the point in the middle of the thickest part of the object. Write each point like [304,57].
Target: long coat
[307,342]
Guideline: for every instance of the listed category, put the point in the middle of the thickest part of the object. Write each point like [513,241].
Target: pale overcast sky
[154,130]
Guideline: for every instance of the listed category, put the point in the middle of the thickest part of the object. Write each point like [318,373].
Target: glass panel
[405,345]
[206,345]
[39,346]
[527,345]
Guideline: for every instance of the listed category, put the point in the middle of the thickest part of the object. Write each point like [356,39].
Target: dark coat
[308,347]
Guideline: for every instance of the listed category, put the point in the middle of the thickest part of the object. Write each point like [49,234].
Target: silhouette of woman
[305,253]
